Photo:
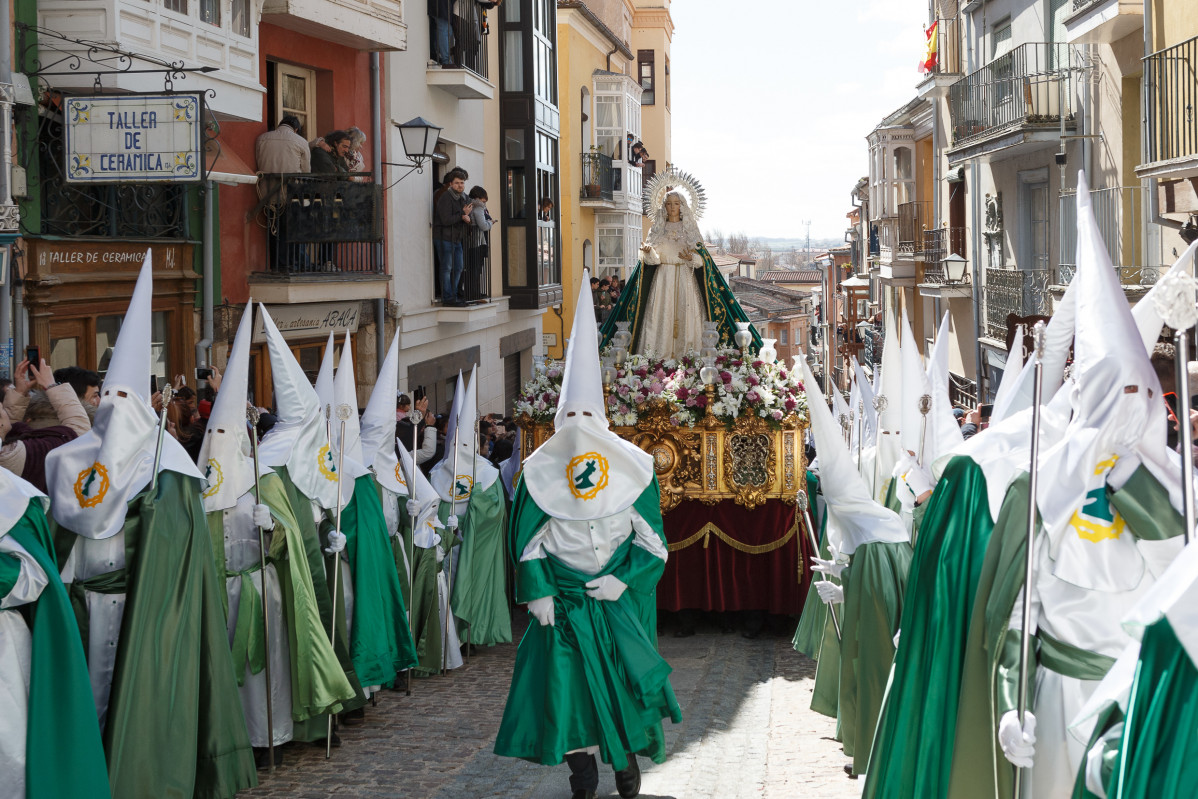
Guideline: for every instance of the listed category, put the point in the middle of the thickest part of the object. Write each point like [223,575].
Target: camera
[203,373]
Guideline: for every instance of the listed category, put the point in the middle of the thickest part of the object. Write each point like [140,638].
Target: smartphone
[155,386]
[203,372]
[418,394]
[985,410]
[34,356]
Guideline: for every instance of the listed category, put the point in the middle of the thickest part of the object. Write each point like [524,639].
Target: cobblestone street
[747,731]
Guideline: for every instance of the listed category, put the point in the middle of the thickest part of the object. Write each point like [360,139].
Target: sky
[772,101]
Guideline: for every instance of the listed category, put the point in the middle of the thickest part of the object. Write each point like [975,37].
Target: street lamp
[419,138]
[954,268]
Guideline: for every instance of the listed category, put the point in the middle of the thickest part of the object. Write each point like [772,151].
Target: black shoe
[583,794]
[628,781]
[262,757]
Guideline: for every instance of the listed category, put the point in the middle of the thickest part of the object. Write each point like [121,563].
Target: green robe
[593,678]
[913,748]
[979,769]
[429,628]
[380,644]
[720,304]
[64,755]
[315,728]
[175,725]
[874,584]
[480,589]
[318,683]
[810,631]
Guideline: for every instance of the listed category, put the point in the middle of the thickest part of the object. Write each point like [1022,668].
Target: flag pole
[343,415]
[252,416]
[806,521]
[1025,635]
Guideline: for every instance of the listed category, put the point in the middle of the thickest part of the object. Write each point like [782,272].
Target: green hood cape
[593,678]
[318,683]
[913,749]
[721,304]
[64,755]
[979,769]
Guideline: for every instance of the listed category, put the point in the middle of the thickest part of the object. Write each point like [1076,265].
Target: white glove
[1018,744]
[896,638]
[542,609]
[262,517]
[413,508]
[336,542]
[452,521]
[440,553]
[834,565]
[829,592]
[606,588]
[918,479]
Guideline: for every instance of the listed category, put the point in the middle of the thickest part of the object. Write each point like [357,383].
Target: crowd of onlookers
[605,292]
[496,433]
[461,238]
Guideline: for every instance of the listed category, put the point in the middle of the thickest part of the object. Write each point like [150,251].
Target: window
[666,59]
[609,125]
[619,242]
[178,6]
[241,17]
[295,93]
[1000,39]
[645,74]
[784,336]
[210,12]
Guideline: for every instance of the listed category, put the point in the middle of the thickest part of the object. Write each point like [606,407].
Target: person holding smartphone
[25,445]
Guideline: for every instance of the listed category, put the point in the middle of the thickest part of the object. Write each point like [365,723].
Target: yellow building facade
[602,116]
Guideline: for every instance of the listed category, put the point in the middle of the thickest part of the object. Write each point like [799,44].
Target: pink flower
[682,393]
[692,402]
[612,399]
[641,371]
[656,386]
[778,415]
[660,373]
[754,380]
[623,391]
[758,364]
[790,404]
[726,377]
[554,372]
[782,374]
[751,396]
[701,400]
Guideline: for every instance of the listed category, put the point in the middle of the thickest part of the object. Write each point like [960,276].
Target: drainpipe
[6,307]
[977,274]
[609,55]
[204,345]
[376,173]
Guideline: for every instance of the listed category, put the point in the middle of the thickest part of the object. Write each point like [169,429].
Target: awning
[222,165]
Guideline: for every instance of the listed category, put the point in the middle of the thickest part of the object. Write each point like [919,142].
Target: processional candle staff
[167,394]
[412,518]
[1174,301]
[803,501]
[252,416]
[343,414]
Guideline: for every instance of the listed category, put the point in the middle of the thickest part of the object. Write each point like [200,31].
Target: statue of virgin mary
[676,287]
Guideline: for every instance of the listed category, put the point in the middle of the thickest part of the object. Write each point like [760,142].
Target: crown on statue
[674,179]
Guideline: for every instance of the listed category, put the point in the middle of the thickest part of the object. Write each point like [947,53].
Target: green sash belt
[248,642]
[112,582]
[1070,660]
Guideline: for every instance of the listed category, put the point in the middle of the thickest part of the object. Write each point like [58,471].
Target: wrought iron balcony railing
[1171,103]
[325,224]
[937,245]
[1119,212]
[598,181]
[1078,5]
[465,39]
[913,219]
[1022,292]
[887,235]
[475,283]
[1032,84]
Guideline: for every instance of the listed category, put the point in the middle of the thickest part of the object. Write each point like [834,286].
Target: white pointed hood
[92,478]
[324,378]
[889,392]
[15,494]
[1148,317]
[225,455]
[915,386]
[299,440]
[345,392]
[840,410]
[1117,411]
[455,410]
[944,434]
[854,518]
[585,471]
[857,421]
[1016,358]
[474,471]
[427,521]
[867,405]
[378,425]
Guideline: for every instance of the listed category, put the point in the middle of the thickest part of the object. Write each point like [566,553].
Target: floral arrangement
[770,390]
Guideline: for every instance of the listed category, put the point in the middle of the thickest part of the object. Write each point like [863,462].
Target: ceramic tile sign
[133,138]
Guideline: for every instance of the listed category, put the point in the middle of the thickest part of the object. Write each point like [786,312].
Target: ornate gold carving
[750,461]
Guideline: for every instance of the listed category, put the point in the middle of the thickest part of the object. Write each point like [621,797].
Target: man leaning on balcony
[451,223]
[280,152]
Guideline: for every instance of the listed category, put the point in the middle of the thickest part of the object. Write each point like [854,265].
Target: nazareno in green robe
[175,725]
[380,642]
[810,631]
[913,747]
[979,769]
[480,584]
[64,755]
[594,678]
[318,683]
[720,302]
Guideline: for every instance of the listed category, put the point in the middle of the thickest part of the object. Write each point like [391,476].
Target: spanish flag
[929,62]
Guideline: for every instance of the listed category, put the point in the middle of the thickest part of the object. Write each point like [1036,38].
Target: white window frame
[306,117]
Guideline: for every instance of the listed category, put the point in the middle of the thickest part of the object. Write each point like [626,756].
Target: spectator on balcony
[451,223]
[545,210]
[637,154]
[478,244]
[329,157]
[283,150]
[356,159]
[440,12]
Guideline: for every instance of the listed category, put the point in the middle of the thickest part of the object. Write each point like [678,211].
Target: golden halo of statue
[669,180]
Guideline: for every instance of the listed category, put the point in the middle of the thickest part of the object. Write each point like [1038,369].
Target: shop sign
[310,320]
[134,138]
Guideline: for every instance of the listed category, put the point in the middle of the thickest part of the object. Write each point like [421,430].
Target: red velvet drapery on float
[726,557]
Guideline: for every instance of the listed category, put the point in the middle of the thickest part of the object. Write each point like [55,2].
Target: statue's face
[673,209]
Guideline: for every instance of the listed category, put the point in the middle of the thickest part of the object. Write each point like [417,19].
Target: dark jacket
[447,217]
[324,162]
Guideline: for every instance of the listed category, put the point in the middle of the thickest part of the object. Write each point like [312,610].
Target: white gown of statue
[674,311]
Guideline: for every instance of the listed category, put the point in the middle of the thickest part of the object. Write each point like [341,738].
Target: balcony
[322,229]
[947,68]
[1170,93]
[1103,21]
[1014,103]
[937,245]
[360,24]
[913,219]
[475,286]
[462,55]
[1119,212]
[598,181]
[1014,292]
